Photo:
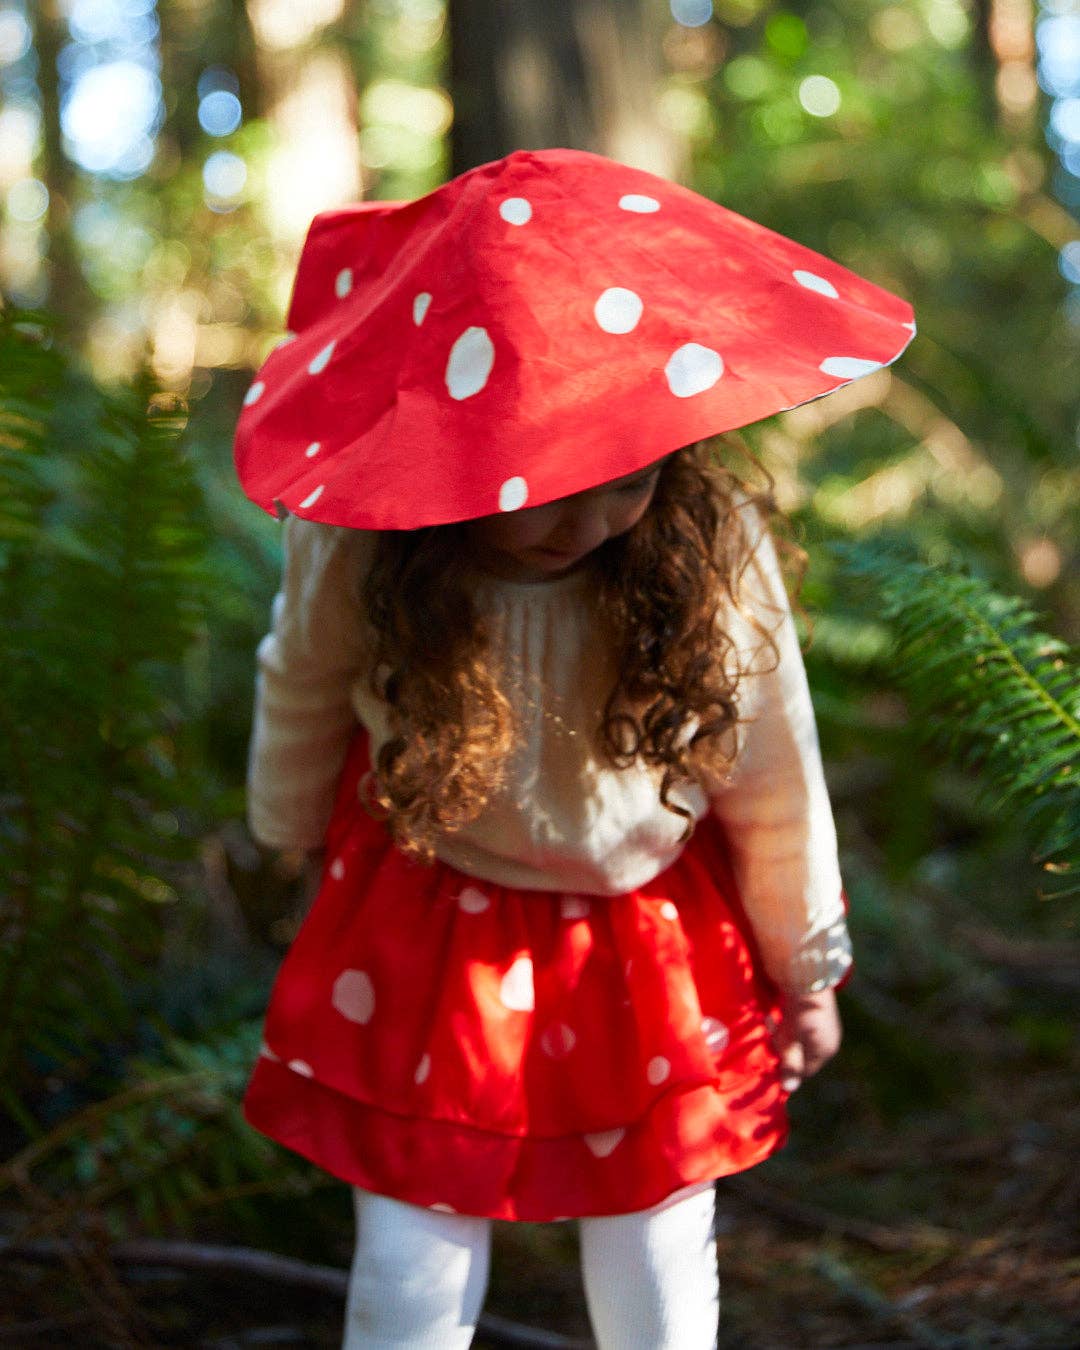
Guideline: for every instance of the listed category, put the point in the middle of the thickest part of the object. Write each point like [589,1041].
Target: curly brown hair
[662,584]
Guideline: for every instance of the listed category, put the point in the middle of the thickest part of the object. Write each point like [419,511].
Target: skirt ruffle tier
[518,1054]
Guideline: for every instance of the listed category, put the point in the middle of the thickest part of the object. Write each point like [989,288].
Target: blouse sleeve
[775,808]
[306,666]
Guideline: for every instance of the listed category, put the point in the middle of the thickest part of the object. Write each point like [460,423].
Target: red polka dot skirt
[518,1054]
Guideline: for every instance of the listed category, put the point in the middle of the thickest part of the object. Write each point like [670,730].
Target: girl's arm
[307,663]
[778,821]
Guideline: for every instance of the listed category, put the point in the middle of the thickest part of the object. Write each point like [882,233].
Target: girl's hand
[808,1036]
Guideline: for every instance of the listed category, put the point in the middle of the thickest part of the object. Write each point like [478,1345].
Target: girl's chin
[533,564]
[551,560]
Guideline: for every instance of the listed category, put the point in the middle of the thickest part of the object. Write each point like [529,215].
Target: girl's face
[540,543]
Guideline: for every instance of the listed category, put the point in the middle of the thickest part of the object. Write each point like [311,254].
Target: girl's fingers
[823,1040]
[817,1054]
[808,1037]
[792,1065]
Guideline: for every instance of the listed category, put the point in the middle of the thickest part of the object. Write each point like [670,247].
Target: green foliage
[169,1146]
[919,182]
[126,982]
[1001,695]
[101,582]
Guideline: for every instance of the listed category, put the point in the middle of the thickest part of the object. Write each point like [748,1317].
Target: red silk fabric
[518,1054]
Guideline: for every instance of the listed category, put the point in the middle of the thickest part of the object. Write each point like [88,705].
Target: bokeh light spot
[109,115]
[1058,40]
[96,20]
[15,37]
[219,112]
[224,176]
[747,77]
[786,35]
[27,200]
[1069,262]
[947,22]
[691,13]
[819,96]
[1065,119]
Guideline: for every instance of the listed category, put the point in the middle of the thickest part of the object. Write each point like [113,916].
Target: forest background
[159,164]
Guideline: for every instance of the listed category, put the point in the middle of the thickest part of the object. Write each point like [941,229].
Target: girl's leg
[650,1277]
[418,1277]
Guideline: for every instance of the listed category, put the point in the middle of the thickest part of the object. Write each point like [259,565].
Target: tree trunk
[538,73]
[194,37]
[68,297]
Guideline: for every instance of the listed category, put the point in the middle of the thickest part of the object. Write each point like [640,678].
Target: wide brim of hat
[537,327]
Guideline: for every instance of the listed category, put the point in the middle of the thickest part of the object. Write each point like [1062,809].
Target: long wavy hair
[673,705]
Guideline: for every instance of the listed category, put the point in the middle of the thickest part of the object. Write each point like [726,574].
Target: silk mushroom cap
[538,326]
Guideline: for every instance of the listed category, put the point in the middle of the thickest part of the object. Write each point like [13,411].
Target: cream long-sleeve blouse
[566,820]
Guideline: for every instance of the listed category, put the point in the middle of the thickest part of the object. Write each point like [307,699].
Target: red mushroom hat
[536,327]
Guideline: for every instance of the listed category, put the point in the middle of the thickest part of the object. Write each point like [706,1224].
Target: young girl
[534,700]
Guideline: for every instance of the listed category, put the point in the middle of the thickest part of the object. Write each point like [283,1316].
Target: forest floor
[929,1196]
[951,1226]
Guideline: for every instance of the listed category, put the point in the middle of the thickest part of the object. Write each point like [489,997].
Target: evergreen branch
[997,641]
[998,693]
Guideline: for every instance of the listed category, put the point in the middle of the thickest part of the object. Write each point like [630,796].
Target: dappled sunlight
[943,462]
[812,419]
[403,123]
[160,163]
[1040,561]
[112,104]
[313,164]
[174,337]
[281,24]
[20,127]
[968,475]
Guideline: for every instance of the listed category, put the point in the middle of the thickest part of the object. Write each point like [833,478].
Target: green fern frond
[1001,695]
[102,541]
[167,1146]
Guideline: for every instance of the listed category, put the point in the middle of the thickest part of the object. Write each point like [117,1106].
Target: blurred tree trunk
[533,74]
[69,298]
[195,36]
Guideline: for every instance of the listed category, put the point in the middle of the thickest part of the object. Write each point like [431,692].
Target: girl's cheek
[631,515]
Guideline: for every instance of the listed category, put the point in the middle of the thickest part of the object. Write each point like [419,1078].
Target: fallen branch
[1025,962]
[924,1153]
[282,1270]
[818,1220]
[1022,953]
[873,1302]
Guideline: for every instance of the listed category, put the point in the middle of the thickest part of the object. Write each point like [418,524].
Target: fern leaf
[984,681]
[101,584]
[167,1144]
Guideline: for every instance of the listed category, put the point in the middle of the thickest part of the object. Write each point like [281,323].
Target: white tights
[419,1276]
